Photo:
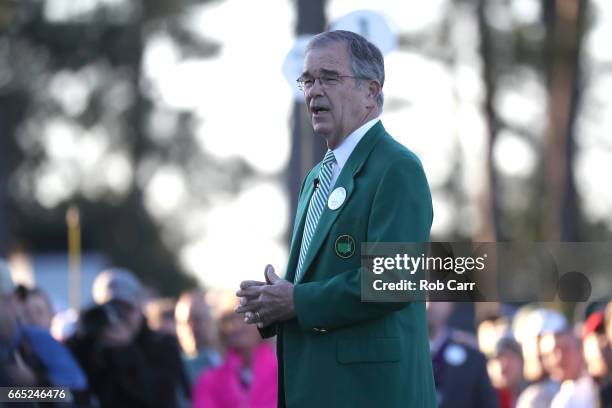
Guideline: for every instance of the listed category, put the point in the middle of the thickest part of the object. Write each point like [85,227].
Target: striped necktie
[317,204]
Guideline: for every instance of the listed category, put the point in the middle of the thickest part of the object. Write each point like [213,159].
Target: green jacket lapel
[345,179]
[298,227]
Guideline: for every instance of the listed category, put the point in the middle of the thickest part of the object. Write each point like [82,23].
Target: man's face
[335,110]
[38,311]
[236,334]
[562,356]
[506,369]
[194,324]
[130,315]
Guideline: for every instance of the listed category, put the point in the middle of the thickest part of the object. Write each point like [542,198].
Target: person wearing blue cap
[460,369]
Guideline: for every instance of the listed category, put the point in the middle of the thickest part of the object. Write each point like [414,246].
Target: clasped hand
[266,303]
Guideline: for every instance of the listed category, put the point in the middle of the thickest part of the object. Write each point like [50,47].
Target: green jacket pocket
[368,350]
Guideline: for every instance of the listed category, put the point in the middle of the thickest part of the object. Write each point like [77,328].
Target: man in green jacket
[335,350]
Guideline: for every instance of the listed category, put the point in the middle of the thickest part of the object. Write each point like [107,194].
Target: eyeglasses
[307,82]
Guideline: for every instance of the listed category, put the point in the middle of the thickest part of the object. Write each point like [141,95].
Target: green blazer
[339,351]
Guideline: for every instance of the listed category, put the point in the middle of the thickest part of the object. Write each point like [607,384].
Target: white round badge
[455,355]
[336,198]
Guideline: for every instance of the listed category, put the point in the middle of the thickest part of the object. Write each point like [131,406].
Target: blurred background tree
[74,124]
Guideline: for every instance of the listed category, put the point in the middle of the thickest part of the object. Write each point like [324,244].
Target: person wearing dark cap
[506,371]
[460,370]
[128,364]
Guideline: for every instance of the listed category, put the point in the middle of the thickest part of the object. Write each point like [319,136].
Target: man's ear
[374,89]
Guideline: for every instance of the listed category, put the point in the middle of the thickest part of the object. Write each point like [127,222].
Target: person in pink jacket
[248,376]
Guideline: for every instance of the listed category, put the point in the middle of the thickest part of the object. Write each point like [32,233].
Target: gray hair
[366,59]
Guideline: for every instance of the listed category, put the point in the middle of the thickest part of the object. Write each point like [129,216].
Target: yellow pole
[73,222]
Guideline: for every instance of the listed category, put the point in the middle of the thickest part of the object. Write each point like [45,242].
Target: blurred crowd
[527,357]
[133,349]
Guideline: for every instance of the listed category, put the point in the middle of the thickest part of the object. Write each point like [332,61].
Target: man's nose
[315,90]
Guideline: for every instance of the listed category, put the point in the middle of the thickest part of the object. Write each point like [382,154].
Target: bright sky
[243,104]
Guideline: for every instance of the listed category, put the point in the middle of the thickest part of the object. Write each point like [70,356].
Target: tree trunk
[564,19]
[489,202]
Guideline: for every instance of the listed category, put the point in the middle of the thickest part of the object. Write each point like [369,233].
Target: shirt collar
[343,152]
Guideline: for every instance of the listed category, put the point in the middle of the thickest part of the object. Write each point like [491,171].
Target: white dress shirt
[580,393]
[343,152]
